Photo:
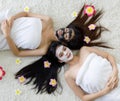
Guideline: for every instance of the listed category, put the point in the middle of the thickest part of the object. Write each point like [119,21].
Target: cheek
[62,58]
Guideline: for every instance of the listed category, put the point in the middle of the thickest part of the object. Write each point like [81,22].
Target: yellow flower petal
[89,10]
[18,61]
[18,92]
[87,39]
[74,14]
[26,9]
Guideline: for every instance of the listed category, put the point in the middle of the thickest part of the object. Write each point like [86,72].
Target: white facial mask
[67,54]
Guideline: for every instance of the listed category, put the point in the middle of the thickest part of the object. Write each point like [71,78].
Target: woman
[92,74]
[28,34]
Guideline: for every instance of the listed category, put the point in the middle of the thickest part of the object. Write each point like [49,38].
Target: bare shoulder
[67,74]
[49,19]
[84,50]
[47,24]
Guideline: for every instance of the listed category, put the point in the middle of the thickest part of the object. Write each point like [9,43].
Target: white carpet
[60,11]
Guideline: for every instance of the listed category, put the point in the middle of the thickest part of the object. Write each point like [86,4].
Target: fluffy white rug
[61,12]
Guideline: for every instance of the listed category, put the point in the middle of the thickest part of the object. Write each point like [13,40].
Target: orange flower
[87,39]
[89,10]
[92,27]
[53,82]
[47,64]
[2,73]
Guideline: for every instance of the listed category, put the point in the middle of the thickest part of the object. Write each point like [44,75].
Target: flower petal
[53,82]
[2,72]
[47,64]
[18,61]
[26,9]
[74,14]
[0,78]
[87,39]
[92,27]
[21,79]
[18,92]
[89,10]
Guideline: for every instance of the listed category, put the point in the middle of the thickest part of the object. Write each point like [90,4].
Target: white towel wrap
[93,76]
[25,32]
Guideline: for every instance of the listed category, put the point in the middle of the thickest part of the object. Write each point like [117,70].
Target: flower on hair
[87,39]
[18,61]
[74,14]
[89,10]
[2,73]
[18,92]
[92,27]
[47,64]
[26,9]
[53,82]
[21,79]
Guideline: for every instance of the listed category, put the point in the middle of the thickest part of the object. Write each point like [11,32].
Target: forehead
[59,48]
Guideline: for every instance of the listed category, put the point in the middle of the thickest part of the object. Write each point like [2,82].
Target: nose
[65,53]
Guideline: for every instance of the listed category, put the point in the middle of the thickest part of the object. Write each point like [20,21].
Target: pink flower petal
[0,78]
[89,13]
[4,73]
[0,67]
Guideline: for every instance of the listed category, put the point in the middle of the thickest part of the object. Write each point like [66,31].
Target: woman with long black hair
[92,74]
[43,70]
[28,34]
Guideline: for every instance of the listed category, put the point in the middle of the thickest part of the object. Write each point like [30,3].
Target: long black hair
[80,26]
[40,75]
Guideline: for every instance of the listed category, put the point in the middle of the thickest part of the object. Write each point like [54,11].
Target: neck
[73,61]
[52,36]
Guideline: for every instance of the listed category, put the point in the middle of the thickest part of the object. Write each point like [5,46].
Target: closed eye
[64,48]
[66,29]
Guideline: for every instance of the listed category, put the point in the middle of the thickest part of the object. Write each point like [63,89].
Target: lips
[69,55]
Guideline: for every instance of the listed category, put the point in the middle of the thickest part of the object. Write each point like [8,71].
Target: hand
[10,21]
[5,28]
[114,78]
[110,86]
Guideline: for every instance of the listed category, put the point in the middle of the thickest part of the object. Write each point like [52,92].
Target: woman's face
[65,34]
[64,54]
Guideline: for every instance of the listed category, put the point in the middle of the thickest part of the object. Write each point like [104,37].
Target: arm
[29,14]
[18,15]
[81,94]
[23,53]
[6,31]
[42,17]
[106,55]
[110,58]
[85,96]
